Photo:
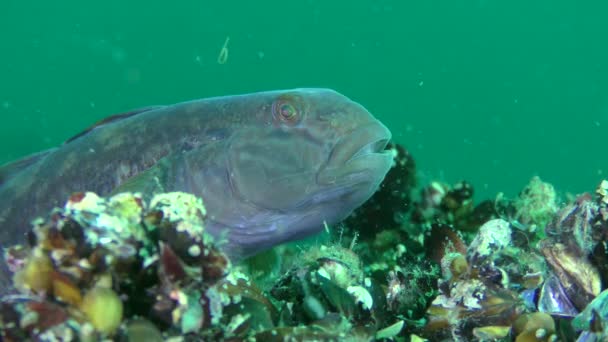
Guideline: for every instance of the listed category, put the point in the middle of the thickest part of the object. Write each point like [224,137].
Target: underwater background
[493,92]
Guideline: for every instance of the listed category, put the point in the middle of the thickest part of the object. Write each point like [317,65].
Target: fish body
[271,167]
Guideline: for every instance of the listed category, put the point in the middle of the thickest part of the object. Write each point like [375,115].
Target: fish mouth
[374,147]
[370,139]
[361,156]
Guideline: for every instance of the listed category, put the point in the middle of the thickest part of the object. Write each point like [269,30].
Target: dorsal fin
[111,118]
[10,169]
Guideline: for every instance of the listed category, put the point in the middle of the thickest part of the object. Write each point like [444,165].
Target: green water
[489,91]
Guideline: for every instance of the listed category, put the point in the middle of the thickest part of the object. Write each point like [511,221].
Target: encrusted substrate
[434,266]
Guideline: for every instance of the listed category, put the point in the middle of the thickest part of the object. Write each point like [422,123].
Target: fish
[271,167]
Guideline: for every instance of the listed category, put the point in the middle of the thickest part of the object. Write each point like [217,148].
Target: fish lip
[376,137]
[374,147]
[358,156]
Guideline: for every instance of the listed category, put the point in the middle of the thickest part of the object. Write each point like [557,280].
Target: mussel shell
[553,299]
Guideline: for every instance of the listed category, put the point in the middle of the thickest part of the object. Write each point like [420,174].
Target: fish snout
[361,142]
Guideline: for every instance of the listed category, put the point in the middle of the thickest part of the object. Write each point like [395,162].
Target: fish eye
[285,111]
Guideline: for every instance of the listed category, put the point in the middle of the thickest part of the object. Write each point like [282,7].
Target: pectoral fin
[148,183]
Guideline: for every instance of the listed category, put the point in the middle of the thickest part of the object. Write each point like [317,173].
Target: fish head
[312,158]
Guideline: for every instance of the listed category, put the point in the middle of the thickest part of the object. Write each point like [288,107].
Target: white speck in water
[421,83]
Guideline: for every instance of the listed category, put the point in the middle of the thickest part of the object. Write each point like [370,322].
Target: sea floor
[417,262]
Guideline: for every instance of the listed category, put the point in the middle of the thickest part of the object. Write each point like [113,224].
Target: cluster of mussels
[424,264]
[516,280]
[520,269]
[116,268]
[120,269]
